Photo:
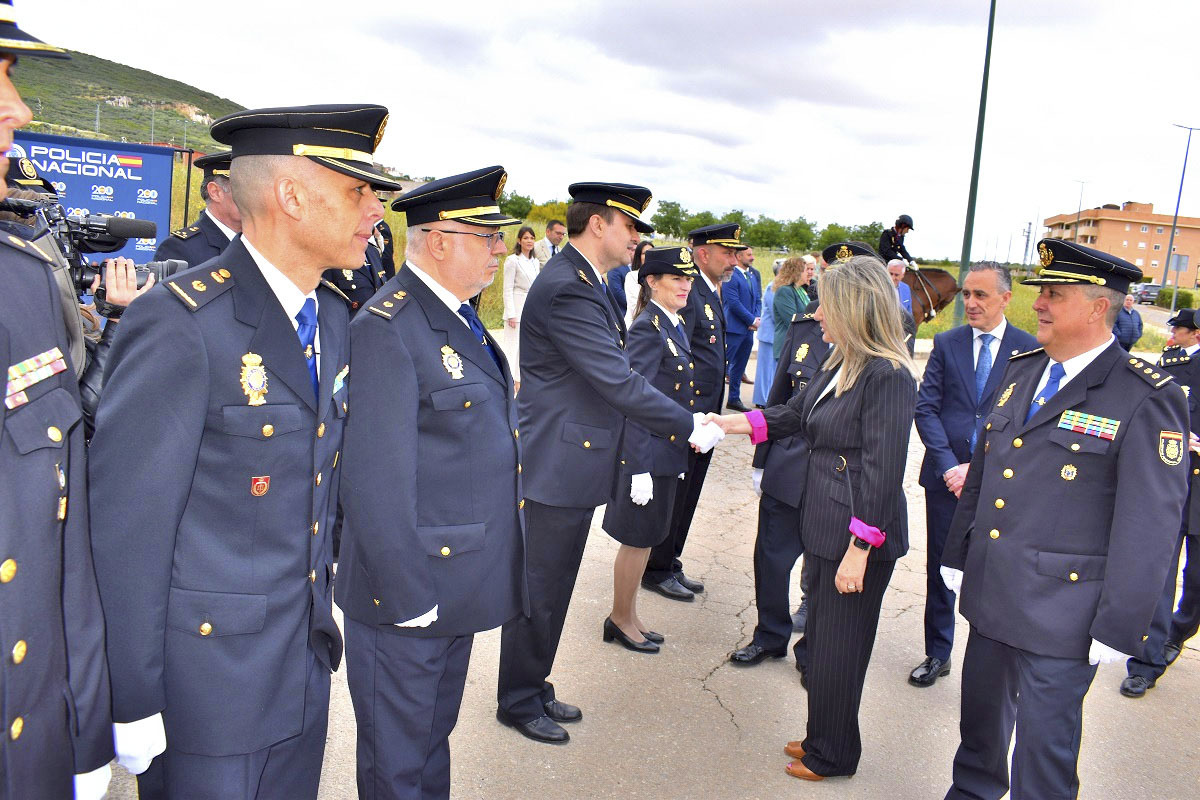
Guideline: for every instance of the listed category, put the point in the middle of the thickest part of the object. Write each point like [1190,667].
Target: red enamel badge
[259,485]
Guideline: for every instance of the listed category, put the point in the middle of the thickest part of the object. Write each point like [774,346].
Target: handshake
[709,429]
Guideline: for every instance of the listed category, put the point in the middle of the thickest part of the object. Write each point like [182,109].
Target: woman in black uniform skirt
[639,514]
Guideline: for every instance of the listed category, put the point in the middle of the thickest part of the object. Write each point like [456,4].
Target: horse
[932,290]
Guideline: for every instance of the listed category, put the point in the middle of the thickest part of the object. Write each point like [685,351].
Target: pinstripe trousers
[841,634]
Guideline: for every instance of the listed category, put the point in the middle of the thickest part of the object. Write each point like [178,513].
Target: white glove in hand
[952,578]
[137,743]
[93,785]
[423,621]
[641,489]
[756,477]
[705,435]
[1100,653]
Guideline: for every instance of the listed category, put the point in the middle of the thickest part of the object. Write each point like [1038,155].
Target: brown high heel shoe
[794,749]
[797,770]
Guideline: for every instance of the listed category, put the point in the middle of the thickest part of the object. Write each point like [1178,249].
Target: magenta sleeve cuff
[868,533]
[758,426]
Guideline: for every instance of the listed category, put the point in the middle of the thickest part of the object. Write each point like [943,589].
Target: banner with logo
[94,176]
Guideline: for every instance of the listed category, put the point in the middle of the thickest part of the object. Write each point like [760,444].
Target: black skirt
[641,526]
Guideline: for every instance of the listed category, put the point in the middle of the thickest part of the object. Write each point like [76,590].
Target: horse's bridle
[926,287]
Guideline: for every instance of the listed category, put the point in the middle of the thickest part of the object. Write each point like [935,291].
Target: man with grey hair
[218,223]
[215,469]
[959,386]
[896,269]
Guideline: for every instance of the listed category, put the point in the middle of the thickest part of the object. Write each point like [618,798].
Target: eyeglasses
[490,238]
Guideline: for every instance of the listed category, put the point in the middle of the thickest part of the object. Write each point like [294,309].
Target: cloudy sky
[837,110]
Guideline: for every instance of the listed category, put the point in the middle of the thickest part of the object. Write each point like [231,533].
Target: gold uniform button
[1196,472]
[672,437]
[268,430]
[1017,442]
[692,365]
[467,404]
[318,479]
[691,402]
[691,383]
[680,367]
[205,628]
[8,570]
[316,526]
[15,729]
[995,534]
[445,551]
[586,443]
[1144,638]
[1075,446]
[55,435]
[1008,473]
[999,502]
[1074,576]
[987,427]
[321,430]
[19,650]
[516,433]
[312,576]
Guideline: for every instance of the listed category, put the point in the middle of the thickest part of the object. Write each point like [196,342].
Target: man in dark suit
[1064,529]
[577,390]
[57,720]
[738,296]
[1166,638]
[434,421]
[218,223]
[745,259]
[713,248]
[958,389]
[225,397]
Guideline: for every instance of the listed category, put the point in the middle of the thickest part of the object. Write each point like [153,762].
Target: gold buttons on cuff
[445,551]
[1017,442]
[467,404]
[318,479]
[8,570]
[268,430]
[205,628]
[1074,576]
[321,430]
[586,443]
[55,435]
[19,650]
[1008,473]
[999,502]
[14,730]
[312,576]
[316,526]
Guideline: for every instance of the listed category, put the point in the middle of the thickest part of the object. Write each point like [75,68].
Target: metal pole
[97,119]
[187,189]
[152,108]
[1078,211]
[965,261]
[1175,220]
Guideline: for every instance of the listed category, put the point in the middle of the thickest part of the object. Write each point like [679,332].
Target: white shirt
[1191,351]
[439,291]
[287,293]
[671,315]
[997,334]
[229,232]
[1071,367]
[596,272]
[712,287]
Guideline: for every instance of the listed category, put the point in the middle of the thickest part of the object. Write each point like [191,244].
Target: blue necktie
[307,331]
[983,365]
[468,313]
[1057,373]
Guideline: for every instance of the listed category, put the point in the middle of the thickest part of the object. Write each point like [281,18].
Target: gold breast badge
[254,379]
[1068,472]
[452,361]
[1007,394]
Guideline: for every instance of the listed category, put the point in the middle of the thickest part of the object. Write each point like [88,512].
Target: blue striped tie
[1057,373]
[307,331]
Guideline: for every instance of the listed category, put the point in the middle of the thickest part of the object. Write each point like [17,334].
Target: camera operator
[217,224]
[57,738]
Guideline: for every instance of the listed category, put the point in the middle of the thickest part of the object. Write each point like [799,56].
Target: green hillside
[63,96]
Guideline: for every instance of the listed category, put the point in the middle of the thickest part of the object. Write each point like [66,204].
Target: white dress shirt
[994,346]
[1071,367]
[229,232]
[439,291]
[287,293]
[671,315]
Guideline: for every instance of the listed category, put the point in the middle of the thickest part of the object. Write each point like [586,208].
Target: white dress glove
[641,489]
[705,435]
[423,621]
[137,743]
[1100,653]
[93,785]
[952,578]
[756,477]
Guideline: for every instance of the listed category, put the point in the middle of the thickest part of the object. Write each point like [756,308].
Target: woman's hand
[512,322]
[851,571]
[730,423]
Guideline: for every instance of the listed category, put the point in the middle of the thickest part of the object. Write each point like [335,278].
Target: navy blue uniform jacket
[704,320]
[577,388]
[431,491]
[1186,370]
[659,352]
[212,516]
[53,674]
[195,244]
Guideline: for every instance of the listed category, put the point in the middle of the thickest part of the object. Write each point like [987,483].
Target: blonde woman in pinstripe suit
[856,415]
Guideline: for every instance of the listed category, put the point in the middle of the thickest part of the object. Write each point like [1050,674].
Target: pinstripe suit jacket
[868,426]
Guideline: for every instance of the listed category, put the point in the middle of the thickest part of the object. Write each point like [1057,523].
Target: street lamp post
[1079,210]
[1175,219]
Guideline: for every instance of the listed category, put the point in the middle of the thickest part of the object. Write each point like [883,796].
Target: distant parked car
[1145,292]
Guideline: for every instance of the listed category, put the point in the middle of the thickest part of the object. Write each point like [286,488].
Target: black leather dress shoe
[613,633]
[736,405]
[543,729]
[689,583]
[562,712]
[752,654]
[1136,686]
[803,675]
[800,617]
[1171,651]
[928,671]
[657,638]
[670,588]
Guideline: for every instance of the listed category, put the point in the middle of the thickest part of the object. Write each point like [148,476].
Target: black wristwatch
[861,544]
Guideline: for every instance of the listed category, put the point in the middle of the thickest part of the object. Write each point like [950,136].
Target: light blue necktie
[1057,373]
[983,368]
[468,313]
[307,331]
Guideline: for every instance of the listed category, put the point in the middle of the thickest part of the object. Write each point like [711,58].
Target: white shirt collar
[1076,365]
[712,287]
[595,271]
[1191,351]
[287,293]
[439,291]
[741,270]
[671,315]
[996,332]
[229,232]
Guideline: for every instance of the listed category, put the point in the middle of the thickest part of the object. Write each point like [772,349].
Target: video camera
[93,233]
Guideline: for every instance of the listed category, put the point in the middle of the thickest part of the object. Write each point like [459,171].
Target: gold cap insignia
[500,186]
[1044,255]
[685,255]
[646,204]
[452,362]
[379,133]
[254,379]
[737,232]
[844,253]
[27,168]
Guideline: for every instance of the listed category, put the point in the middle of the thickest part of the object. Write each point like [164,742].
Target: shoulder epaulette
[1174,360]
[1015,356]
[1148,373]
[26,246]
[388,308]
[331,286]
[186,233]
[202,288]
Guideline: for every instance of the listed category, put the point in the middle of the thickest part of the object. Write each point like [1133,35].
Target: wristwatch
[861,544]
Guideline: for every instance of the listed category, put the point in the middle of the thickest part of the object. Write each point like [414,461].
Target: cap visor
[1053,282]
[21,43]
[356,169]
[491,220]
[642,227]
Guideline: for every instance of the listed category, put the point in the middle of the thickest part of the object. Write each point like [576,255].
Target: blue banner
[94,176]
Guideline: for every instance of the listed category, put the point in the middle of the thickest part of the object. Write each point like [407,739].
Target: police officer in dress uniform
[577,390]
[891,241]
[714,249]
[215,467]
[779,471]
[218,224]
[433,543]
[839,252]
[1162,648]
[56,720]
[357,286]
[1064,529]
